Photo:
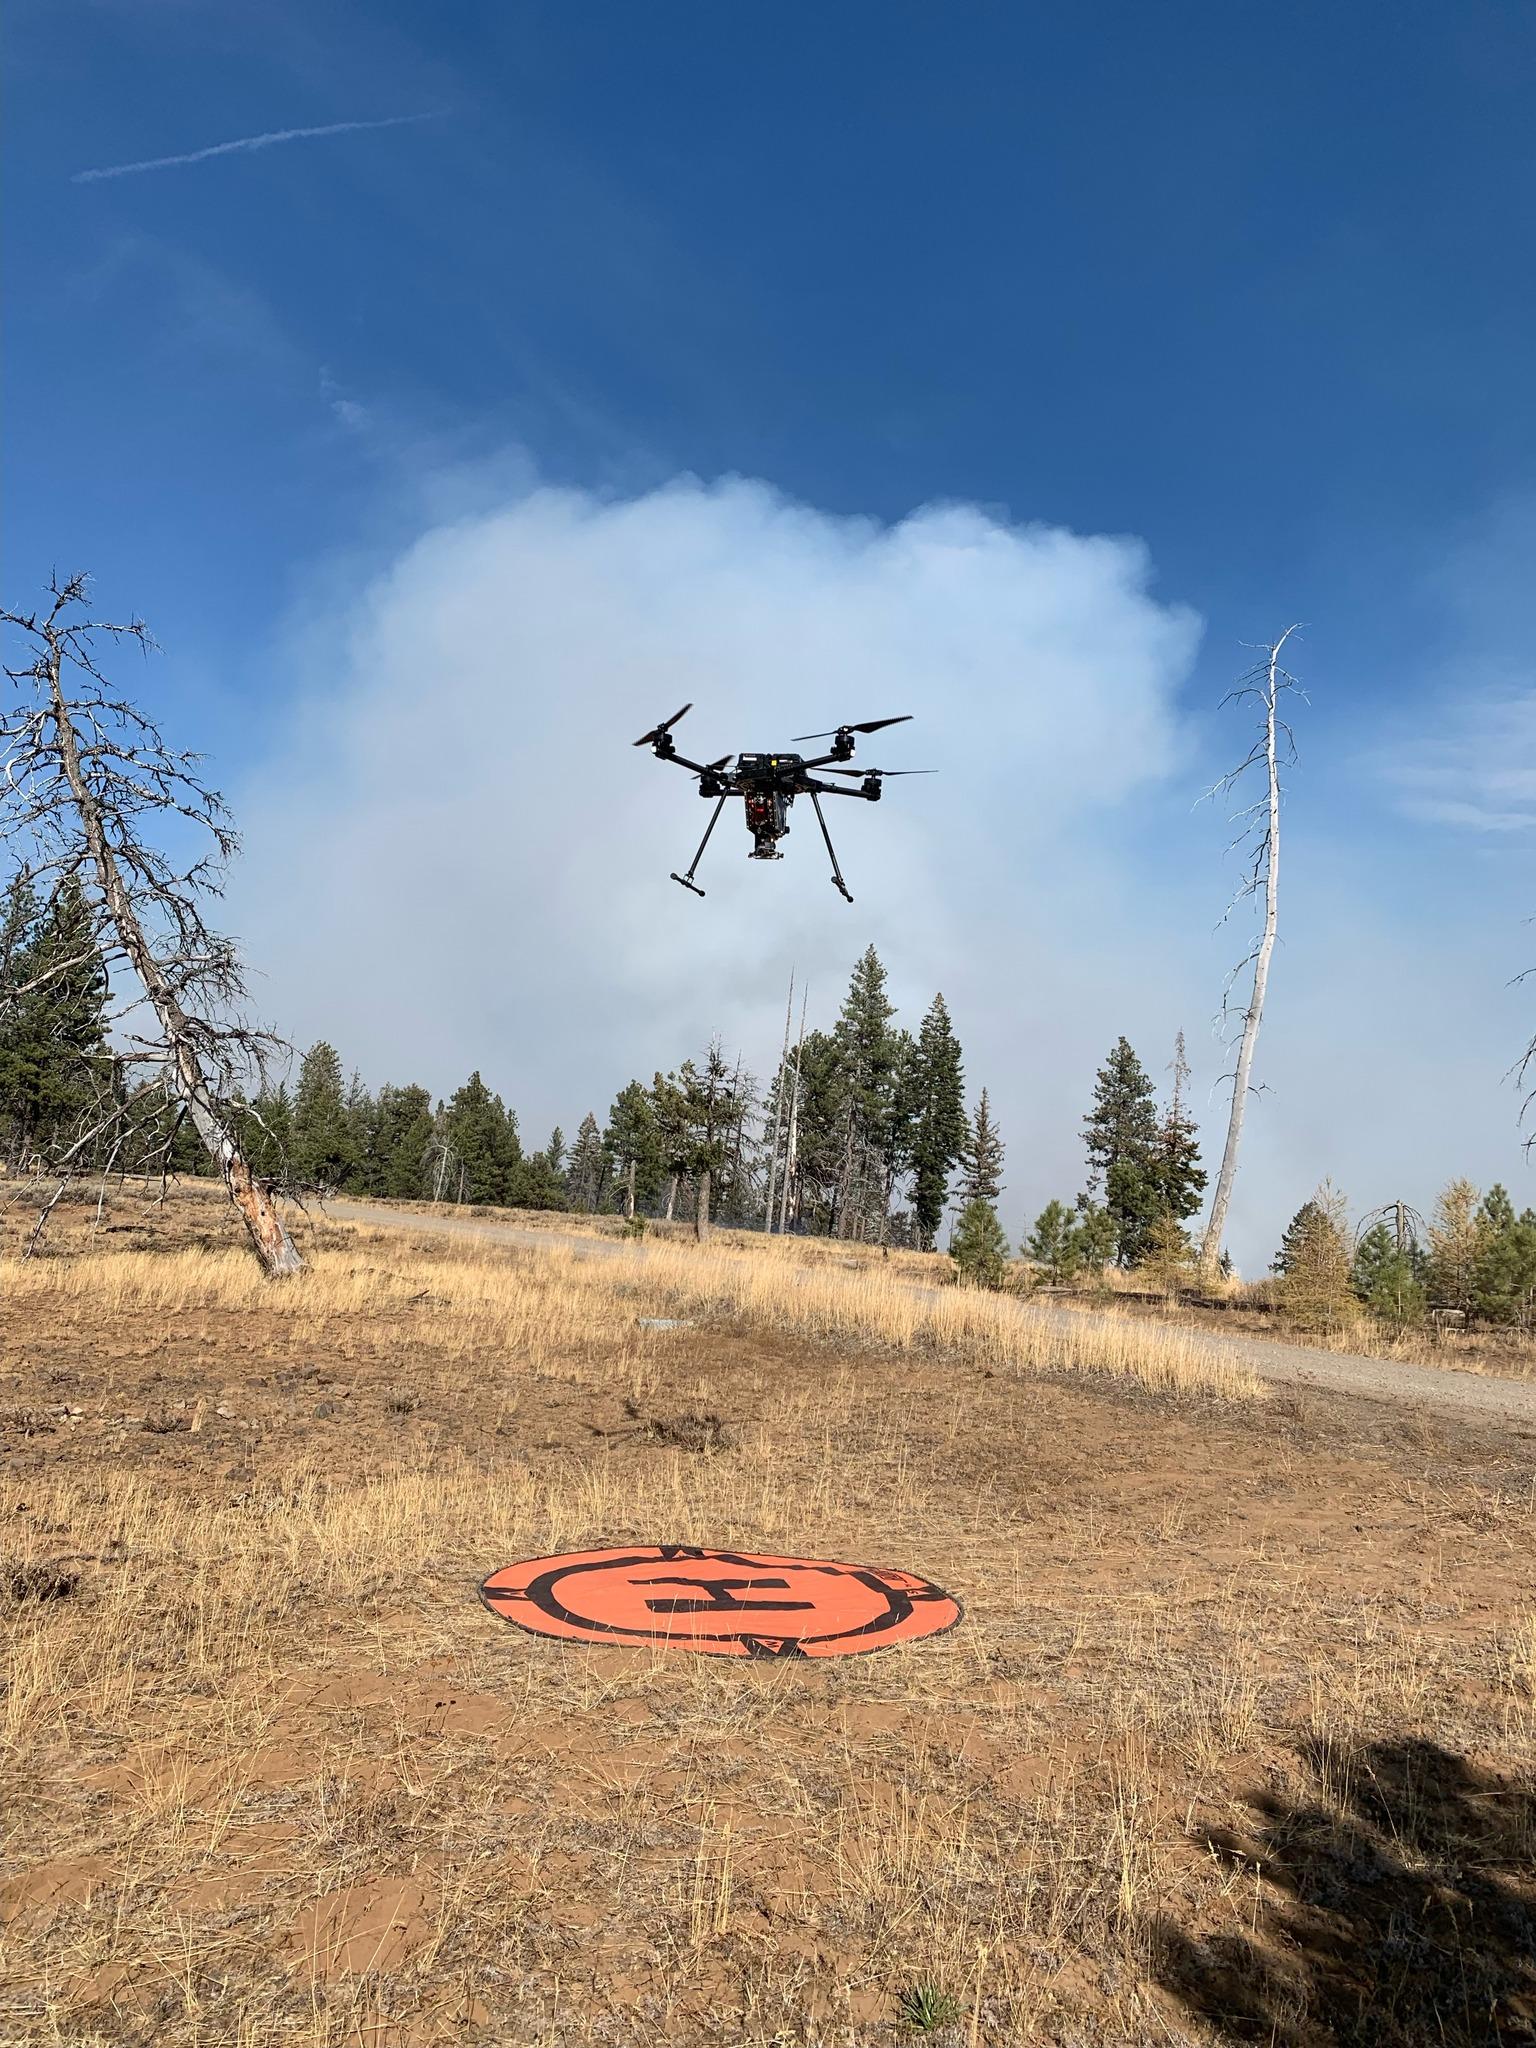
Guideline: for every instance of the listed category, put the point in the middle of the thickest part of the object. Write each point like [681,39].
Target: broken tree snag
[88,778]
[258,1212]
[274,1247]
[1259,835]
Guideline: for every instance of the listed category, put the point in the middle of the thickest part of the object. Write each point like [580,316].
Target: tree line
[1472,1260]
[1144,1182]
[860,1133]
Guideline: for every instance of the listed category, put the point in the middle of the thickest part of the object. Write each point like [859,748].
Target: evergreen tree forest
[862,1133]
[54,1060]
[865,1131]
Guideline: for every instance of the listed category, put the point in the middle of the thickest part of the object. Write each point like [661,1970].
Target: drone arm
[836,789]
[693,767]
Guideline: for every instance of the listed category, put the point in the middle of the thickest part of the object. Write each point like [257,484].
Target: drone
[769,783]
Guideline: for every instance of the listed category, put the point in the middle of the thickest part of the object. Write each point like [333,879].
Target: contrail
[248,142]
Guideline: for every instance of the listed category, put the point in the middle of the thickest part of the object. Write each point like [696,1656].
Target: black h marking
[722,1597]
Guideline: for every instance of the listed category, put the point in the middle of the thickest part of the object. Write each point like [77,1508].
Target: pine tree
[1053,1241]
[18,924]
[267,1134]
[587,1173]
[54,1063]
[1384,1278]
[702,1108]
[981,1159]
[482,1137]
[1122,1140]
[1180,1176]
[1315,1263]
[365,1173]
[403,1141]
[821,1124]
[978,1247]
[322,1138]
[900,1126]
[633,1144]
[1094,1236]
[868,1053]
[1501,1282]
[939,1124]
[539,1181]
[1457,1236]
[1297,1233]
[1169,1257]
[23,1024]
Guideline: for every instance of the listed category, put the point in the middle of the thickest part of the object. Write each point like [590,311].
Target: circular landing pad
[727,1603]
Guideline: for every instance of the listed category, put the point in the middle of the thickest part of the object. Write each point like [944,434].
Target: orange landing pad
[727,1603]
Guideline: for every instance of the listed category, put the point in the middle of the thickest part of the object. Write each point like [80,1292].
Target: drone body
[769,783]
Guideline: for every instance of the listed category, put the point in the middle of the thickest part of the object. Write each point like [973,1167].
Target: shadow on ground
[1397,1909]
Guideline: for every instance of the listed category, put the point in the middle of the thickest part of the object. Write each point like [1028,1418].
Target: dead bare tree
[86,779]
[1523,1072]
[1259,835]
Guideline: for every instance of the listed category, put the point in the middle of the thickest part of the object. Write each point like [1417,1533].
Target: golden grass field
[1235,1741]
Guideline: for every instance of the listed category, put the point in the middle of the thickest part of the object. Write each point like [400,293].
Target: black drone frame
[769,783]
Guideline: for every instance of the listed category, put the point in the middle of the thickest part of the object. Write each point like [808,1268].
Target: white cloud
[1478,770]
[1472,762]
[247,145]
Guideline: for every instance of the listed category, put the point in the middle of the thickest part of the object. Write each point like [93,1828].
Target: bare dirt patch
[1234,1742]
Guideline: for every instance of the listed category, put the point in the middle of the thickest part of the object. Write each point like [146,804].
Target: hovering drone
[769,783]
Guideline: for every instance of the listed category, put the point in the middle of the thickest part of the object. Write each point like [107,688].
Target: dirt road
[1473,1397]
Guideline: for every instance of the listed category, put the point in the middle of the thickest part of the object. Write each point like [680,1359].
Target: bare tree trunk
[671,1196]
[778,1102]
[210,1117]
[791,1152]
[629,1191]
[701,1207]
[1266,878]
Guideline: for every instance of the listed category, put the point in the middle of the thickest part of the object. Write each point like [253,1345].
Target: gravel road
[1473,1397]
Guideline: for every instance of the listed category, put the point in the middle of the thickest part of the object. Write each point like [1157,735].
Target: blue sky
[1252,286]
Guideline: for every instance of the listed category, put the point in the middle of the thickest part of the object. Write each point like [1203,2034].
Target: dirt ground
[1234,1742]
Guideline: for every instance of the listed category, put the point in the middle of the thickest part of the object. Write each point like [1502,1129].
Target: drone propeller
[858,774]
[714,766]
[871,725]
[647,739]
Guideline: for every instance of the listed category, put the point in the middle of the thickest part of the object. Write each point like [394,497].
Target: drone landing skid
[837,874]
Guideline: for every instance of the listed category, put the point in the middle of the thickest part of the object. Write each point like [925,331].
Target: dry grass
[532,1304]
[1239,1720]
[1254,1308]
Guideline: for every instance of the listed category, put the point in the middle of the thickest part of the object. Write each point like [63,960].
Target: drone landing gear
[837,873]
[687,880]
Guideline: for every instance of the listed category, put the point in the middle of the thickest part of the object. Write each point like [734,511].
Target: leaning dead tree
[1259,837]
[89,788]
[1523,1074]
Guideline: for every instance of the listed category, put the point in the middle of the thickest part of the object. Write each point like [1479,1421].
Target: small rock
[663,1323]
[324,1409]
